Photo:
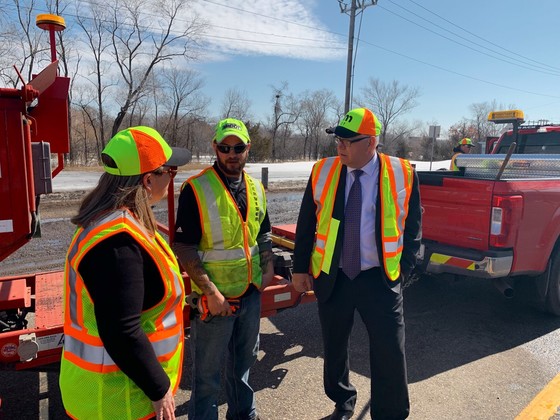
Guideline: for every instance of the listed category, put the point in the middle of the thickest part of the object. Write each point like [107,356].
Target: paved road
[471,354]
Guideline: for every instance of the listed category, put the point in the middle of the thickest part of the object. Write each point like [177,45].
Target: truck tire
[552,275]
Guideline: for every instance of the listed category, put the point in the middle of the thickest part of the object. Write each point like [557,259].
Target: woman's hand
[165,408]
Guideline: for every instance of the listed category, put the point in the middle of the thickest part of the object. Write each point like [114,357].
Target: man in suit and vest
[357,237]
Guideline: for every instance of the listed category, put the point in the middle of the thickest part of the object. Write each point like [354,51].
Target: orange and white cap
[357,121]
[138,150]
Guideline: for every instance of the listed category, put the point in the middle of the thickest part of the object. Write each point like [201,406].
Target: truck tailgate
[456,210]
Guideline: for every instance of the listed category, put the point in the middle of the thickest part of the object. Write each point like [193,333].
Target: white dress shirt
[370,186]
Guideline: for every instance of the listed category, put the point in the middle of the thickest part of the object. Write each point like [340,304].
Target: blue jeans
[237,338]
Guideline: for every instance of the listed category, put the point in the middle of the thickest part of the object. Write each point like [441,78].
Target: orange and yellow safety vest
[92,385]
[395,186]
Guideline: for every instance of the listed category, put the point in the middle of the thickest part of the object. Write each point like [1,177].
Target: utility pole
[355,5]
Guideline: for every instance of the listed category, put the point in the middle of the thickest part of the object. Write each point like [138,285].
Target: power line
[481,38]
[464,45]
[336,33]
[460,74]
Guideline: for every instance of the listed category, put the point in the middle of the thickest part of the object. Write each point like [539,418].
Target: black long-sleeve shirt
[123,280]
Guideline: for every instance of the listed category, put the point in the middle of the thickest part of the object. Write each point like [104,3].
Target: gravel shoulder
[47,253]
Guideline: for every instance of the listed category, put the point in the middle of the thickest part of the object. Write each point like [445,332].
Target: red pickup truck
[496,220]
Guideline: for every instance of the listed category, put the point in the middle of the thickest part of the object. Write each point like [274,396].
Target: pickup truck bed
[475,225]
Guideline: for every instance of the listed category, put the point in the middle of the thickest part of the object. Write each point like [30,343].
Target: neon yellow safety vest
[228,248]
[395,183]
[453,165]
[92,385]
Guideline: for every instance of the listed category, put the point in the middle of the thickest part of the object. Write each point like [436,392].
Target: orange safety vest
[395,186]
[92,385]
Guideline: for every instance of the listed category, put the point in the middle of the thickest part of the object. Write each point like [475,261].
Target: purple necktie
[351,264]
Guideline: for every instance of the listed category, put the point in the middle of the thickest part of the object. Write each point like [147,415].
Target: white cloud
[282,28]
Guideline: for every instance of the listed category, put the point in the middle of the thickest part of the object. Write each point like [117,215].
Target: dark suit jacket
[307,223]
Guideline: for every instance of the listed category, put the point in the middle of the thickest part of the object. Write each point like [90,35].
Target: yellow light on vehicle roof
[504,117]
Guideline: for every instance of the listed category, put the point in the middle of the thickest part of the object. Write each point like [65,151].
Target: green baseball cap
[357,121]
[466,142]
[231,127]
[138,150]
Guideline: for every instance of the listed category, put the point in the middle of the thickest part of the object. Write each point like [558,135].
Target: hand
[268,275]
[218,304]
[165,408]
[302,282]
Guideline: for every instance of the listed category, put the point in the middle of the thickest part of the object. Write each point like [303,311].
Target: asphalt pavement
[471,355]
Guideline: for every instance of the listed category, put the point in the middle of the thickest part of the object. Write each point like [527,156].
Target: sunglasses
[225,148]
[171,172]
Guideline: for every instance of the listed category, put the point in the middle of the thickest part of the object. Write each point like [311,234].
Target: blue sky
[456,52]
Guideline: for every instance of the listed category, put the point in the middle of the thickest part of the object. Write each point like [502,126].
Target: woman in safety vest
[124,294]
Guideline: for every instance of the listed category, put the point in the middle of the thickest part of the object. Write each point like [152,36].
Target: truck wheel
[552,304]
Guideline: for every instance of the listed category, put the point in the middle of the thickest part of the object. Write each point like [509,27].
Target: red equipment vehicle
[539,138]
[34,126]
[499,216]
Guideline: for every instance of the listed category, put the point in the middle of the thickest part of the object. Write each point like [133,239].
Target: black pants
[381,310]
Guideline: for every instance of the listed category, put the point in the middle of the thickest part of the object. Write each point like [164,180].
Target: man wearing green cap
[224,242]
[357,236]
[463,146]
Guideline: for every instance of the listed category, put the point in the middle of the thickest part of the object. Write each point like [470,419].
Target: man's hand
[165,408]
[302,282]
[218,304]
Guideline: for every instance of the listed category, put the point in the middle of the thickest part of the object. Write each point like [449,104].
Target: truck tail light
[506,211]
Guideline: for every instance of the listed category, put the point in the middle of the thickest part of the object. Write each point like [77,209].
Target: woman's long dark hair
[115,192]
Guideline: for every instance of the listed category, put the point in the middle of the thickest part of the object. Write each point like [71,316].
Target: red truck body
[457,214]
[34,125]
[477,226]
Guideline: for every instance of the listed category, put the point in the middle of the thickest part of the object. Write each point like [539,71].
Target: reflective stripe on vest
[395,182]
[226,254]
[395,179]
[92,385]
[97,355]
[228,246]
[324,183]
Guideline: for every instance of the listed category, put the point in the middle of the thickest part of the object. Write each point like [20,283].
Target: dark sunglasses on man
[225,148]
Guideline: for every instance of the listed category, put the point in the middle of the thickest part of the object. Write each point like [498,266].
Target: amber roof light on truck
[507,117]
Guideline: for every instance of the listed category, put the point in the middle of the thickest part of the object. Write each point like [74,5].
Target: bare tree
[184,103]
[316,110]
[398,138]
[286,112]
[97,43]
[388,101]
[236,104]
[477,126]
[144,34]
[21,42]
[479,119]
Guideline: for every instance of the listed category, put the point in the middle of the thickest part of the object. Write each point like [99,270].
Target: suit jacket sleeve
[412,230]
[305,232]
